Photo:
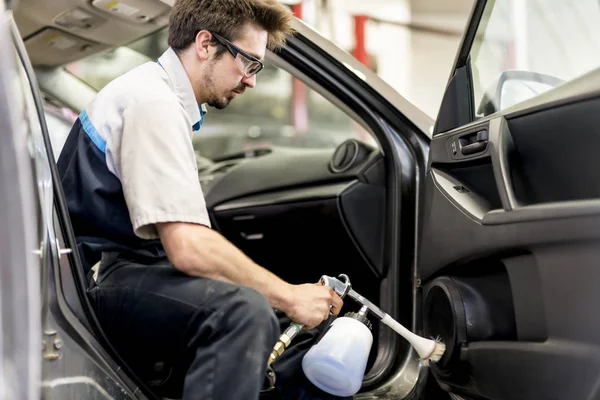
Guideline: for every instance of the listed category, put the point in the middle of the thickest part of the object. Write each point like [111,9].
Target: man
[168,287]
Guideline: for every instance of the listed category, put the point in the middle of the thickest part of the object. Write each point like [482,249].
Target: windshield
[279,111]
[525,47]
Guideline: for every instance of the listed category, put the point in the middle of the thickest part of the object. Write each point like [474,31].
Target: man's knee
[256,314]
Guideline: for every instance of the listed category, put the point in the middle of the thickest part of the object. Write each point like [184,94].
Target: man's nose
[249,81]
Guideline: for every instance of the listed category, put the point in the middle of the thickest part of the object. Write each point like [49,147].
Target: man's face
[223,79]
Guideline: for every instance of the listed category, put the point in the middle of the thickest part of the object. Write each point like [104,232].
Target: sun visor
[138,11]
[52,47]
[78,19]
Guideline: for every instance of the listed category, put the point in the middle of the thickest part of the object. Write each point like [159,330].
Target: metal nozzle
[284,341]
[277,351]
[378,312]
[363,310]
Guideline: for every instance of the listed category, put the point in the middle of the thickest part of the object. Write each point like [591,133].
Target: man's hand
[311,304]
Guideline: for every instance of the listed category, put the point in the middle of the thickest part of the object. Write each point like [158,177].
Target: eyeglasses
[247,64]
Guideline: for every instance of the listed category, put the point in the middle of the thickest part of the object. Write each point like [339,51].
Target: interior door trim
[480,211]
[464,199]
[538,212]
[501,145]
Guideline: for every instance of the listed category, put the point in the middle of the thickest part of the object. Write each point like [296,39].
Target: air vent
[348,154]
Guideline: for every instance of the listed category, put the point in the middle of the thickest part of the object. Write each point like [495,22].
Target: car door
[509,250]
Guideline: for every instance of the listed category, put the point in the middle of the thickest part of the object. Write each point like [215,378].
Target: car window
[279,111]
[526,47]
[99,70]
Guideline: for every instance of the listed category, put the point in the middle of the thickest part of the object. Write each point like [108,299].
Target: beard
[219,102]
[214,99]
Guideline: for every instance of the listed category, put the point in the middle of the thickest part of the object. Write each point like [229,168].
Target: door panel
[558,149]
[509,244]
[509,253]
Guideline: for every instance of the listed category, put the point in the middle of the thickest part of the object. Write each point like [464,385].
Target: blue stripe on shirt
[91,131]
[197,125]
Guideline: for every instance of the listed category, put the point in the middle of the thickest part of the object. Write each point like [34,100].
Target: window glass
[526,47]
[279,111]
[99,70]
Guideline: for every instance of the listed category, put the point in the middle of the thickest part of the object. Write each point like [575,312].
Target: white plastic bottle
[336,363]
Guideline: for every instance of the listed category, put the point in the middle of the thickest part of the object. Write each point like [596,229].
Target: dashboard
[280,170]
[290,203]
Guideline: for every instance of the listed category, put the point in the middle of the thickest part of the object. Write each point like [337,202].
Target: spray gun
[337,362]
[341,286]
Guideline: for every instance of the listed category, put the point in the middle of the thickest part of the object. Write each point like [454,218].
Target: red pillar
[299,94]
[360,52]
[297,10]
[360,48]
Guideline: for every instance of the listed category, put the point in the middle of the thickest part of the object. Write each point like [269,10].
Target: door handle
[473,148]
[473,143]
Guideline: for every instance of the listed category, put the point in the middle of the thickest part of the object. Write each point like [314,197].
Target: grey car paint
[38,357]
[20,370]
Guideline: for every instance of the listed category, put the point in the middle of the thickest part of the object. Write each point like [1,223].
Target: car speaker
[463,309]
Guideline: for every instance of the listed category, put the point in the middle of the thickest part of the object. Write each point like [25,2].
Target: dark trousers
[213,338]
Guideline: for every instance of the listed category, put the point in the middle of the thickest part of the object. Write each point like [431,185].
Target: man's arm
[158,172]
[200,251]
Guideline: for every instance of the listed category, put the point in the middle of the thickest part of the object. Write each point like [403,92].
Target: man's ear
[202,44]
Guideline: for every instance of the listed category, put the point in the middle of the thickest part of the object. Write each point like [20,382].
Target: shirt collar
[182,87]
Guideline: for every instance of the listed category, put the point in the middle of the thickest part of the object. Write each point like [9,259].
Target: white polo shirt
[143,122]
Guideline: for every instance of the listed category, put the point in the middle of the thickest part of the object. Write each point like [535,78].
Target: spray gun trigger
[344,278]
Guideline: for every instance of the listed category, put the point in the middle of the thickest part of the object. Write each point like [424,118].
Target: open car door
[509,251]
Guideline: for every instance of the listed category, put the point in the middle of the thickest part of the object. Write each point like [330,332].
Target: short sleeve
[158,169]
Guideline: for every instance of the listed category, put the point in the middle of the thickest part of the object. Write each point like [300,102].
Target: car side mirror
[513,87]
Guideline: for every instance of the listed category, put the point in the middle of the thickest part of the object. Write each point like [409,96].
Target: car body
[481,228]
